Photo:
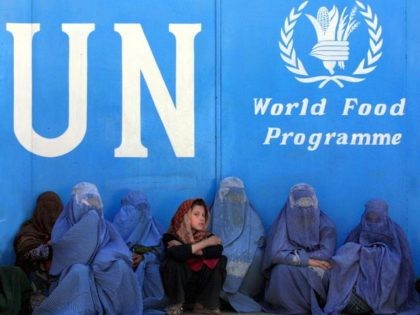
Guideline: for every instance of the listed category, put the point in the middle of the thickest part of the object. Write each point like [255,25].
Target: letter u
[22,68]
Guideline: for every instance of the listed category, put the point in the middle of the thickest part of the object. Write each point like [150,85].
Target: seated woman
[194,268]
[296,261]
[32,244]
[242,233]
[15,291]
[143,235]
[91,260]
[373,271]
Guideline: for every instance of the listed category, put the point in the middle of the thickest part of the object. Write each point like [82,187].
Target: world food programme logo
[333,30]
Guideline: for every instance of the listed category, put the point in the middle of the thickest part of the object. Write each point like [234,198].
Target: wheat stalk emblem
[332,48]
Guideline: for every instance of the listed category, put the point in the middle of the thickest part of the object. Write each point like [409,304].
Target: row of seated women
[76,262]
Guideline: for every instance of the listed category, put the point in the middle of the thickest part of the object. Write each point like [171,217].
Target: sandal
[175,309]
[200,309]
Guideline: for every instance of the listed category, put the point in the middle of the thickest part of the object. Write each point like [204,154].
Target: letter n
[137,60]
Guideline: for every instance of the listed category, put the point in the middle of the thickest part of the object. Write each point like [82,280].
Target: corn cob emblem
[333,31]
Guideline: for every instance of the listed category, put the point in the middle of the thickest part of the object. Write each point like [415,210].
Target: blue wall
[174,93]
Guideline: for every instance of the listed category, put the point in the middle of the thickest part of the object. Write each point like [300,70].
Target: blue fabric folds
[91,261]
[135,223]
[300,232]
[242,234]
[376,262]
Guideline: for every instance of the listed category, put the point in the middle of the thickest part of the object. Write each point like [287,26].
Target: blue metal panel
[165,177]
[412,158]
[250,60]
[256,69]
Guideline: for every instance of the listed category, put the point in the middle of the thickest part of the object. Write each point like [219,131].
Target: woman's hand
[136,259]
[213,240]
[323,264]
[174,243]
[197,248]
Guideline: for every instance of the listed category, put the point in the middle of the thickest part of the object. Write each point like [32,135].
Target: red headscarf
[181,223]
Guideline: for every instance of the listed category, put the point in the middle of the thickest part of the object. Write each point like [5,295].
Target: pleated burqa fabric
[300,232]
[91,260]
[135,223]
[375,263]
[242,233]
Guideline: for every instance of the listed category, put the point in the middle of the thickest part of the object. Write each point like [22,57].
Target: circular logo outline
[295,65]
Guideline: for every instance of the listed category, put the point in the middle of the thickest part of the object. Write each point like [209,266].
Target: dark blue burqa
[135,223]
[376,262]
[300,232]
[91,260]
[242,233]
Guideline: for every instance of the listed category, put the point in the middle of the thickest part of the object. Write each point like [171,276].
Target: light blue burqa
[242,234]
[91,260]
[136,225]
[376,262]
[300,232]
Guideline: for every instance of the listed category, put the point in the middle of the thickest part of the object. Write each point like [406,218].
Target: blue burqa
[242,234]
[136,225]
[91,261]
[300,232]
[376,263]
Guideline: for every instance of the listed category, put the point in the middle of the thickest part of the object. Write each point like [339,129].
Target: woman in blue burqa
[296,260]
[143,235]
[242,234]
[91,261]
[373,271]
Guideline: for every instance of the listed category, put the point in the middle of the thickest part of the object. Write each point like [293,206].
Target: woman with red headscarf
[194,268]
